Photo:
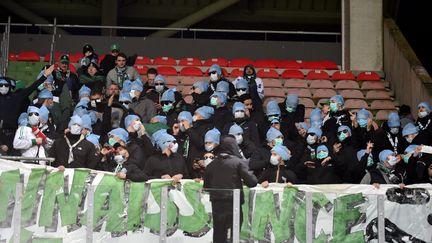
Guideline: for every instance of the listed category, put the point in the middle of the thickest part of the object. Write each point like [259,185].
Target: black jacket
[250,130]
[337,119]
[283,176]
[227,172]
[160,164]
[382,142]
[347,164]
[222,116]
[84,153]
[70,79]
[213,85]
[140,149]
[425,124]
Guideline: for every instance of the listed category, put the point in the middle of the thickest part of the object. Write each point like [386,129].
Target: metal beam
[109,16]
[196,17]
[28,15]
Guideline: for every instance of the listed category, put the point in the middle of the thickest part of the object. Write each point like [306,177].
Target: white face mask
[241,92]
[310,139]
[33,120]
[209,147]
[75,129]
[126,106]
[4,90]
[409,139]
[422,114]
[274,160]
[174,148]
[213,77]
[194,118]
[182,128]
[159,88]
[392,160]
[394,130]
[239,139]
[85,98]
[119,159]
[132,93]
[239,114]
[136,126]
[207,162]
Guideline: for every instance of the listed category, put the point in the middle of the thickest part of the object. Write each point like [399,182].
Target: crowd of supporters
[108,117]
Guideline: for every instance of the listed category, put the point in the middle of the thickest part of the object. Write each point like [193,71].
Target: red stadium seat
[172,80]
[314,65]
[12,57]
[240,62]
[352,94]
[272,83]
[355,104]
[297,74]
[290,64]
[382,105]
[382,115]
[190,61]
[272,92]
[72,68]
[236,72]
[140,60]
[330,65]
[74,58]
[265,63]
[141,69]
[101,57]
[189,81]
[29,56]
[191,71]
[343,75]
[377,95]
[323,93]
[168,61]
[267,73]
[308,103]
[368,76]
[367,85]
[295,83]
[57,55]
[321,84]
[317,74]
[219,61]
[167,71]
[302,93]
[347,84]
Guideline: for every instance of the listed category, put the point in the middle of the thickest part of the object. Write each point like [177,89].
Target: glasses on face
[275,123]
[209,157]
[125,103]
[214,72]
[242,111]
[4,85]
[343,131]
[241,89]
[166,102]
[33,114]
[159,84]
[311,134]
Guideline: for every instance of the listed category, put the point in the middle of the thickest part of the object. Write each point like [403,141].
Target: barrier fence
[42,204]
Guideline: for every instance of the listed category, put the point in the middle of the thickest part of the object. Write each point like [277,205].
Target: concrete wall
[203,48]
[365,34]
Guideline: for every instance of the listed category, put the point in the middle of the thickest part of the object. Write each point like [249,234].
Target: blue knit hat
[360,154]
[303,125]
[222,87]
[185,115]
[120,133]
[338,99]
[137,86]
[425,105]
[168,95]
[272,133]
[315,115]
[363,114]
[164,140]
[4,81]
[292,100]
[86,122]
[216,68]
[84,90]
[75,120]
[411,148]
[43,114]
[384,154]
[222,97]
[45,94]
[160,78]
[23,119]
[393,120]
[322,148]
[235,129]
[129,119]
[125,97]
[315,130]
[203,86]
[213,136]
[93,138]
[31,109]
[238,106]
[161,119]
[205,111]
[282,151]
[242,84]
[272,108]
[343,127]
[409,129]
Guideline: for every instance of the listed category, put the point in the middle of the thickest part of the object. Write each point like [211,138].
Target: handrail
[27,158]
[108,27]
[267,31]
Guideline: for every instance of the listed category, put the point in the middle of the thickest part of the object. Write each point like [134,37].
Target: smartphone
[426,149]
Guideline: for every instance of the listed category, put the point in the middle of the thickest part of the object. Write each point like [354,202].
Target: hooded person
[424,119]
[168,104]
[363,129]
[413,135]
[29,140]
[46,126]
[338,117]
[141,105]
[241,86]
[211,139]
[292,113]
[223,87]
[250,128]
[321,169]
[307,150]
[200,94]
[385,172]
[255,83]
[272,116]
[156,92]
[277,172]
[316,118]
[168,163]
[417,165]
[84,93]
[13,103]
[389,136]
[235,174]
[73,150]
[216,76]
[92,76]
[89,55]
[222,115]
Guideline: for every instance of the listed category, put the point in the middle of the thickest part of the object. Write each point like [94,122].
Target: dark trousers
[222,211]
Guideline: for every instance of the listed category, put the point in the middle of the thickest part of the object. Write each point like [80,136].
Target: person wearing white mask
[222,115]
[73,150]
[211,139]
[413,135]
[127,168]
[249,127]
[29,140]
[386,171]
[247,148]
[84,93]
[276,172]
[241,87]
[166,164]
[216,76]
[424,118]
[141,105]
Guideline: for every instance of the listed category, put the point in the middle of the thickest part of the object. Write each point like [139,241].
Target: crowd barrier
[42,204]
